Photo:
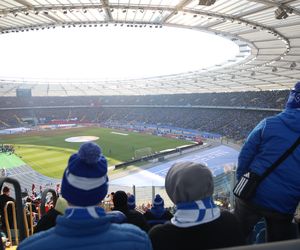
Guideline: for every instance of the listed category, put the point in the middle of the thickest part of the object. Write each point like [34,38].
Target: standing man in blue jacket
[278,194]
[85,225]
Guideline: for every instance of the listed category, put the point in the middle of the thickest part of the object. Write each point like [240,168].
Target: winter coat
[280,191]
[156,216]
[223,232]
[89,229]
[134,217]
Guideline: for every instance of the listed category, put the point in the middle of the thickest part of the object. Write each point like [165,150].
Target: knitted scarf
[194,213]
[92,212]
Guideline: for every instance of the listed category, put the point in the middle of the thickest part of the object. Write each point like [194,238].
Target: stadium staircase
[18,119]
[27,176]
[4,123]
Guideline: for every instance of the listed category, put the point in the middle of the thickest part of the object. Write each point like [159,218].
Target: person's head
[120,200]
[6,190]
[85,181]
[293,101]
[158,202]
[189,181]
[131,202]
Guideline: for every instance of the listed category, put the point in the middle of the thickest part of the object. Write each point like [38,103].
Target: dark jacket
[3,200]
[47,221]
[154,218]
[134,217]
[222,232]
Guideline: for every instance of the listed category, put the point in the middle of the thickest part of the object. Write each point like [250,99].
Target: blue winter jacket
[280,191]
[90,229]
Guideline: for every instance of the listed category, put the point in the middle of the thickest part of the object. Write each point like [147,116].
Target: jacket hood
[291,118]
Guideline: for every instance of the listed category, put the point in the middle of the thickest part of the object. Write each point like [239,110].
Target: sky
[108,53]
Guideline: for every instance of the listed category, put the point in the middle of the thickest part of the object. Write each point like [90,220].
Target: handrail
[13,207]
[28,205]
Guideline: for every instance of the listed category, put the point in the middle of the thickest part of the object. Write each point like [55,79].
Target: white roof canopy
[269,56]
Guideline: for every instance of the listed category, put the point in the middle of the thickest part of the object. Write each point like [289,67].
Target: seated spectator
[4,198]
[197,219]
[134,217]
[85,225]
[131,202]
[49,219]
[158,214]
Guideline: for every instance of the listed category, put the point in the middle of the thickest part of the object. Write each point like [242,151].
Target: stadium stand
[268,38]
[230,114]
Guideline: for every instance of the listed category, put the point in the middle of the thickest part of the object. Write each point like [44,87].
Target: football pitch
[47,152]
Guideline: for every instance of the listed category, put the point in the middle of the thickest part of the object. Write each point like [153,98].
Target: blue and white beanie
[158,201]
[85,181]
[294,98]
[158,209]
[131,202]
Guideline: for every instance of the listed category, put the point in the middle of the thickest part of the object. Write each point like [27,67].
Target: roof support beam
[25,3]
[178,7]
[105,6]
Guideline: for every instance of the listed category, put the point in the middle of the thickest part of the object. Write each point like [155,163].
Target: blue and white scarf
[194,213]
[93,212]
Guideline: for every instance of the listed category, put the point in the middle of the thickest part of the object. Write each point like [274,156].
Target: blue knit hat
[158,201]
[85,181]
[294,98]
[131,202]
[158,209]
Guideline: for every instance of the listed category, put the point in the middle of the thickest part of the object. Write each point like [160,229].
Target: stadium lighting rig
[206,2]
[282,12]
[293,65]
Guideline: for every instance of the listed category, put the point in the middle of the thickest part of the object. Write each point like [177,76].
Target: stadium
[147,121]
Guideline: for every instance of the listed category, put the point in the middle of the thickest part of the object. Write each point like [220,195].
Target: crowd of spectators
[197,217]
[7,148]
[80,215]
[181,110]
[261,99]
[235,124]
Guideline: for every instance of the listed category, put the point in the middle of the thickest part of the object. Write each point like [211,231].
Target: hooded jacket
[90,229]
[280,191]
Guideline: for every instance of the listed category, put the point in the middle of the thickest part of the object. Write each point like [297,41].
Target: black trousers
[278,226]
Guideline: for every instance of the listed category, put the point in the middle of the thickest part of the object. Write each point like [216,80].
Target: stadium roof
[267,32]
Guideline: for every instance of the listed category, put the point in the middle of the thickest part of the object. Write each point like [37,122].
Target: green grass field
[48,152]
[10,161]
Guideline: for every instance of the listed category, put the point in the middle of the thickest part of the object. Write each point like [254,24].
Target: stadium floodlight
[293,65]
[207,2]
[280,13]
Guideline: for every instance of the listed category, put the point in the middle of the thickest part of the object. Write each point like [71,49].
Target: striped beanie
[158,201]
[85,181]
